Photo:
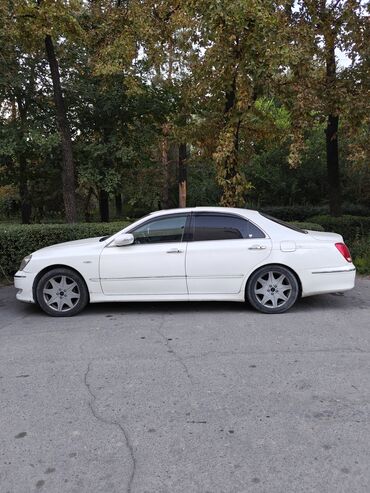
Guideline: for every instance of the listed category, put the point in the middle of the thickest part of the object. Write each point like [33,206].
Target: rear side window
[223,227]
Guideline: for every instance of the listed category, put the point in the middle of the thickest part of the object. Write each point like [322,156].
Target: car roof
[268,226]
[235,210]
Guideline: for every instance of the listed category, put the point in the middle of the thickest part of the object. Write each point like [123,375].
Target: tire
[272,289]
[62,292]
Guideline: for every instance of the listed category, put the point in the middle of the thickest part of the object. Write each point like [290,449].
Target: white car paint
[220,267]
[204,270]
[143,270]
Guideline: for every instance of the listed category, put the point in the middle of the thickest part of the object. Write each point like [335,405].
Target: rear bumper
[329,280]
[23,283]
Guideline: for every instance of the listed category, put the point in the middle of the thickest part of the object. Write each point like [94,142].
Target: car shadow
[304,305]
[333,302]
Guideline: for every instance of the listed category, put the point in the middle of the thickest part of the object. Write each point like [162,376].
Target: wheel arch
[52,267]
[274,264]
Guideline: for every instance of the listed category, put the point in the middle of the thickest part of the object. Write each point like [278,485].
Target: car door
[223,250]
[153,265]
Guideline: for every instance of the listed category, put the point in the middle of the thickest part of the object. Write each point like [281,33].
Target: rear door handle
[257,247]
[175,250]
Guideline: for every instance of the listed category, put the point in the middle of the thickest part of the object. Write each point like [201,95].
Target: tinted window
[164,230]
[283,223]
[254,232]
[219,227]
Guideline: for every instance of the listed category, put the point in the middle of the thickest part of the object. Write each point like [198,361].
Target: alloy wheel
[61,293]
[273,289]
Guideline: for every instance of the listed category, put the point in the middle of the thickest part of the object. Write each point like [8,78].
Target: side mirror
[124,239]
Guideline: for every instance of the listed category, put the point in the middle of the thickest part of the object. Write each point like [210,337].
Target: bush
[17,241]
[360,251]
[305,212]
[9,202]
[350,227]
[355,210]
[294,212]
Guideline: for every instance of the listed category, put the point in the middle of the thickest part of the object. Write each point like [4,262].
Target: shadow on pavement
[333,302]
[305,305]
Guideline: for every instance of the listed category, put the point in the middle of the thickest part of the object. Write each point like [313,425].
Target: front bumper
[23,283]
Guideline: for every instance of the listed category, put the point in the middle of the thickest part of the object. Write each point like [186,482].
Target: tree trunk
[165,168]
[331,132]
[87,213]
[118,201]
[228,166]
[24,193]
[332,162]
[104,206]
[68,174]
[182,175]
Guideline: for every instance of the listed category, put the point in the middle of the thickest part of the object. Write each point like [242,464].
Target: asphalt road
[210,397]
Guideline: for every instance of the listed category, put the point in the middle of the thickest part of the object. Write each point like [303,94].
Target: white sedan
[194,254]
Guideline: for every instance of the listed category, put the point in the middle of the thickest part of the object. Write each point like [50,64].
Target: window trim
[221,214]
[165,216]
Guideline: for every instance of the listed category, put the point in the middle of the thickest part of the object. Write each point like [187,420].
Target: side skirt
[100,298]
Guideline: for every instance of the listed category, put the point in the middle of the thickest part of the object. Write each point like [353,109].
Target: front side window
[223,227]
[163,230]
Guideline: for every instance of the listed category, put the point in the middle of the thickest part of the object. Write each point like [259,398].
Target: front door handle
[257,247]
[175,250]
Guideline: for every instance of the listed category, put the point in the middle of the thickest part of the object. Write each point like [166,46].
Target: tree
[167,44]
[238,58]
[169,102]
[319,28]
[104,91]
[19,70]
[183,176]
[41,21]
[69,171]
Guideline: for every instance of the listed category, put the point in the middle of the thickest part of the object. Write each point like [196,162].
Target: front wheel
[272,289]
[62,293]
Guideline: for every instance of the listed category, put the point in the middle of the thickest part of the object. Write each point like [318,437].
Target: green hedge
[360,251]
[293,213]
[17,241]
[350,227]
[305,212]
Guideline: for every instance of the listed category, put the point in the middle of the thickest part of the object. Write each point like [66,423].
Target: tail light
[344,251]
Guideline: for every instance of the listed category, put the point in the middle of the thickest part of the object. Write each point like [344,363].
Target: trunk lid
[325,236]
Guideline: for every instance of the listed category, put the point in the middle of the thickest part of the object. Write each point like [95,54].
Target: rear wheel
[272,289]
[62,293]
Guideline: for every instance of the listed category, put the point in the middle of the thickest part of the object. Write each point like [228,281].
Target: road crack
[106,421]
[172,350]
